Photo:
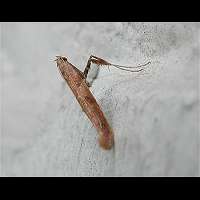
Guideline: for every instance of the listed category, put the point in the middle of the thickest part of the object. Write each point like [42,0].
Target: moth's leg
[99,61]
[96,60]
[87,68]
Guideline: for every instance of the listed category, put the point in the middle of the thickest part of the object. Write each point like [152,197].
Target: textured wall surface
[154,113]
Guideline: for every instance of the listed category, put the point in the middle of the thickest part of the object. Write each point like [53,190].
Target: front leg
[87,68]
[96,60]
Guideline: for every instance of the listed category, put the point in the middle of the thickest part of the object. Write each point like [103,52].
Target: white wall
[154,114]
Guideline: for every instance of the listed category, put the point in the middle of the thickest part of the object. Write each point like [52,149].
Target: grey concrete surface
[154,113]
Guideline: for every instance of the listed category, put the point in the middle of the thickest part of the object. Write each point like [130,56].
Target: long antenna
[100,61]
[127,68]
[122,66]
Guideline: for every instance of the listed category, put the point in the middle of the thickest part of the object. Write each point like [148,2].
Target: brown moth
[80,88]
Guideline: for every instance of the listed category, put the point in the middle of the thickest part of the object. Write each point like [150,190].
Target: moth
[77,81]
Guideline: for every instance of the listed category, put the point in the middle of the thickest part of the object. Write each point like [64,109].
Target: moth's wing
[79,72]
